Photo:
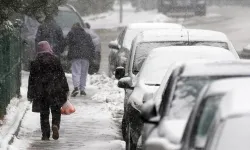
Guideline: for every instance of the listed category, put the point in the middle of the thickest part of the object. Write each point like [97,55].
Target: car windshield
[129,37]
[185,94]
[235,134]
[209,43]
[66,19]
[143,50]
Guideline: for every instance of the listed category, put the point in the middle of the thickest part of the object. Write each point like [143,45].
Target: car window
[143,49]
[66,19]
[186,92]
[235,134]
[209,43]
[129,37]
[206,114]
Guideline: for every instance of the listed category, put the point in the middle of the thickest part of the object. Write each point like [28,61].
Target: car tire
[124,126]
[129,142]
[201,12]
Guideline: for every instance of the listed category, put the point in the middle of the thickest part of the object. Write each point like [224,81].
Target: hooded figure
[47,89]
[52,33]
[81,54]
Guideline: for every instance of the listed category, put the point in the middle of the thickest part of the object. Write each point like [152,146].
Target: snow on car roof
[162,35]
[160,59]
[236,102]
[225,85]
[225,68]
[206,35]
[154,25]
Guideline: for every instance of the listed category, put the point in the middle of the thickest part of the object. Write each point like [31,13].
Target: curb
[13,130]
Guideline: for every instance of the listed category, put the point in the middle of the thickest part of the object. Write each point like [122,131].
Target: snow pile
[109,93]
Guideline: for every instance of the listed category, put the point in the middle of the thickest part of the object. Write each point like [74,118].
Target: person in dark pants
[51,32]
[47,89]
[81,54]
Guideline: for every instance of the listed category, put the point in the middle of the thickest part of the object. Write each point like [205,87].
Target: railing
[10,69]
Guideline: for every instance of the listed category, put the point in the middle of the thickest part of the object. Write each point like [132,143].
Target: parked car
[65,18]
[120,48]
[180,90]
[230,127]
[148,40]
[150,76]
[199,7]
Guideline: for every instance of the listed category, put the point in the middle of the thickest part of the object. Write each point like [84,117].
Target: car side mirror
[125,83]
[119,72]
[149,113]
[246,49]
[114,45]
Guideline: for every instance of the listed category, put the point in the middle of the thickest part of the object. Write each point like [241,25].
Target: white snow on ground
[111,18]
[109,93]
[109,106]
[15,111]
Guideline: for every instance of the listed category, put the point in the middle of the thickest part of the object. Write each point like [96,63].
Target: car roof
[206,35]
[215,68]
[154,25]
[162,35]
[173,34]
[225,85]
[160,59]
[236,102]
[67,7]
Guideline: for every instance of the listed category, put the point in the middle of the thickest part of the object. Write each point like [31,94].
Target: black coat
[80,45]
[47,82]
[51,32]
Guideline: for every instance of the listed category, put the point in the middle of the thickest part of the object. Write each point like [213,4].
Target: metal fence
[10,69]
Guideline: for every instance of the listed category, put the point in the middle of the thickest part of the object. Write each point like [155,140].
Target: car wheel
[124,125]
[129,142]
[201,12]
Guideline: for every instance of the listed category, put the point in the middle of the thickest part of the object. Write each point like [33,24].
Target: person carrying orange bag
[48,89]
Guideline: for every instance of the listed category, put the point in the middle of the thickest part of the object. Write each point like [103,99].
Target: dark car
[183,6]
[65,18]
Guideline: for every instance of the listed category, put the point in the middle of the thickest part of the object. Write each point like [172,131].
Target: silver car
[180,91]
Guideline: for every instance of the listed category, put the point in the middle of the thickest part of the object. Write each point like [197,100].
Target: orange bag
[67,108]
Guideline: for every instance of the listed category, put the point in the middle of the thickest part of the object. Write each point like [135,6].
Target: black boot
[44,138]
[83,93]
[55,131]
[75,92]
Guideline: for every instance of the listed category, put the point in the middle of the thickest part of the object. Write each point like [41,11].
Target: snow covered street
[95,124]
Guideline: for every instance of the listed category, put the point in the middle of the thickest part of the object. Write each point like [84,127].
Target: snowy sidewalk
[92,127]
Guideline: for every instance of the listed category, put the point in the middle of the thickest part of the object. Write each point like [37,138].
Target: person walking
[51,32]
[81,54]
[47,89]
